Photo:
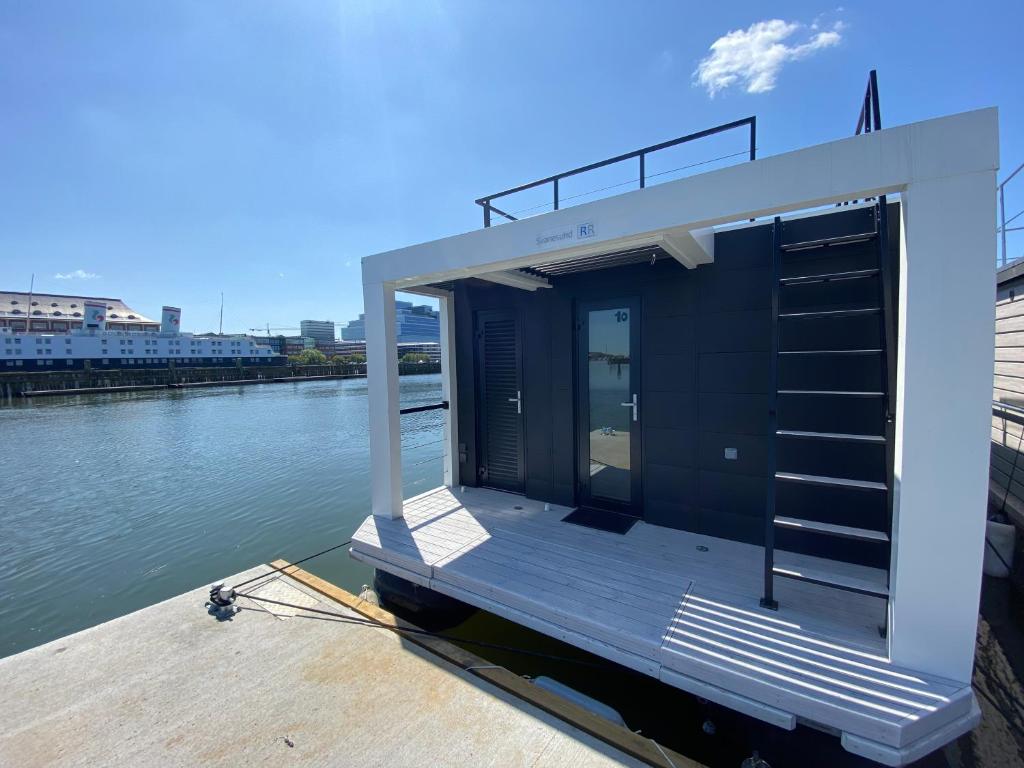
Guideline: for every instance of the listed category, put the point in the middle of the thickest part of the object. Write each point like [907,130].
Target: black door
[608,404]
[500,403]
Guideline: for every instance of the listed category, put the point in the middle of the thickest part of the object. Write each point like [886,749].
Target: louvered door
[500,400]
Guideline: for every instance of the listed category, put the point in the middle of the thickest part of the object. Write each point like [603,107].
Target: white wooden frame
[944,170]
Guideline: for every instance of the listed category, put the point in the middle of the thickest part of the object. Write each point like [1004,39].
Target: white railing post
[382,392]
[449,389]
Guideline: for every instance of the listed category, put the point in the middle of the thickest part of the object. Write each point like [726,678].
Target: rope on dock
[286,567]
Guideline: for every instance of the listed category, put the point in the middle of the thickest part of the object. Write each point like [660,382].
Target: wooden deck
[680,607]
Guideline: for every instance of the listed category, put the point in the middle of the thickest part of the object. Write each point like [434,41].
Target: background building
[276,343]
[294,345]
[419,323]
[58,312]
[321,331]
[431,349]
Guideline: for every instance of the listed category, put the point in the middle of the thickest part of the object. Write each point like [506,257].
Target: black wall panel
[705,380]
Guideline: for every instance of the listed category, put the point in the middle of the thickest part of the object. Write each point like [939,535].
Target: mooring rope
[282,568]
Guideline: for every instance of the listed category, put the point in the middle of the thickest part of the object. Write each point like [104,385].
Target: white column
[449,389]
[944,389]
[382,390]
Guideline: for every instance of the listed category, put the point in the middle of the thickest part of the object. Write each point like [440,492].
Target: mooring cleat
[221,596]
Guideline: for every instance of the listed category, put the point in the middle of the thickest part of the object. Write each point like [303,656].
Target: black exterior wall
[706,340]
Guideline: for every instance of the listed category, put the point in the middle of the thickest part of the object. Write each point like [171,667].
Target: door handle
[518,400]
[634,405]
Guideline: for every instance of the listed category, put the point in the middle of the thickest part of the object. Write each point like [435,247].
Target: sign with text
[565,236]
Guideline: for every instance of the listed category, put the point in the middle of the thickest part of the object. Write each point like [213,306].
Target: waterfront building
[276,343]
[431,349]
[321,331]
[94,344]
[414,323]
[730,430]
[350,348]
[23,311]
[293,345]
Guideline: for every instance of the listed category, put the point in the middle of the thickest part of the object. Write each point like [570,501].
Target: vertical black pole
[642,173]
[753,137]
[487,213]
[876,107]
[768,601]
[556,194]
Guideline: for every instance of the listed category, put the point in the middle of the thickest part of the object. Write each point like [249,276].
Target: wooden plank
[1005,367]
[1010,384]
[1014,323]
[1009,308]
[1007,354]
[1009,338]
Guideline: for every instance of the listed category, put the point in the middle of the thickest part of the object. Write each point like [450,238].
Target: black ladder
[830,455]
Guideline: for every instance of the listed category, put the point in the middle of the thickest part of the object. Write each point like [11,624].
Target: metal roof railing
[1003,221]
[640,154]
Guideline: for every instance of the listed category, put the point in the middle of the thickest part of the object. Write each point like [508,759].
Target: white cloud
[78,274]
[753,57]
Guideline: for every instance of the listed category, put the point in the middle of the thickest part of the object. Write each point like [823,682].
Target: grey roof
[50,306]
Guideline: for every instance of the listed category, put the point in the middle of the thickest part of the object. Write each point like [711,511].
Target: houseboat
[730,430]
[94,346]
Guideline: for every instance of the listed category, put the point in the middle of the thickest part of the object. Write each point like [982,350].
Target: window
[70,362]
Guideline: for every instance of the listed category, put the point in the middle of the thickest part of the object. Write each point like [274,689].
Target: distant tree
[309,357]
[349,359]
[415,357]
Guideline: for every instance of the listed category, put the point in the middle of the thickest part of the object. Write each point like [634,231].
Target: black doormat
[600,520]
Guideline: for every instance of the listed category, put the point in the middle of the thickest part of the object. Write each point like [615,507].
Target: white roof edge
[882,162]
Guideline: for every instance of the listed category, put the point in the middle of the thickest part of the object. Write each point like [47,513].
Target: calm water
[109,503]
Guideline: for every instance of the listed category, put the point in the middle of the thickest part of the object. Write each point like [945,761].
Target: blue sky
[162,152]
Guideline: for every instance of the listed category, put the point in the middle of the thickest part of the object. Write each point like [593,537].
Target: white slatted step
[830,529]
[845,393]
[829,313]
[837,436]
[873,585]
[828,277]
[838,482]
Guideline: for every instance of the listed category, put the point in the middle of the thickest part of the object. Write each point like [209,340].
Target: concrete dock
[171,685]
